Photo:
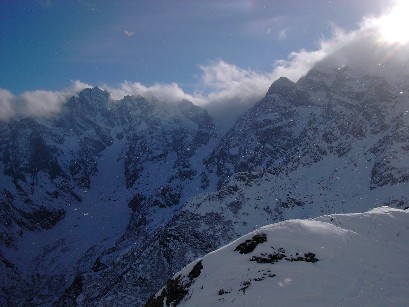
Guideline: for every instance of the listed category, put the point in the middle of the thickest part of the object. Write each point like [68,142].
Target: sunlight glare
[394,27]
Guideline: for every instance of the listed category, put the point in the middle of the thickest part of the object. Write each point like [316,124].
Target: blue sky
[48,44]
[214,53]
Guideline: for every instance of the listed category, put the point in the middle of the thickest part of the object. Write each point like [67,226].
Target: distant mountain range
[104,202]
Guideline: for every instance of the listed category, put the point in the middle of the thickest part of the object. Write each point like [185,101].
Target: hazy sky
[214,53]
[48,44]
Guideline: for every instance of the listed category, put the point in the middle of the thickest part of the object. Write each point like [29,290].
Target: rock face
[103,203]
[299,124]
[341,259]
[72,183]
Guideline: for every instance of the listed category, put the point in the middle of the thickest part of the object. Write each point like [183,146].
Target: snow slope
[335,260]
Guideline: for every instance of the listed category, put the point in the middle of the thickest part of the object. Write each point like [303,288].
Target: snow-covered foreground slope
[335,260]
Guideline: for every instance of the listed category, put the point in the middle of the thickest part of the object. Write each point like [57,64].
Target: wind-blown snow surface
[335,260]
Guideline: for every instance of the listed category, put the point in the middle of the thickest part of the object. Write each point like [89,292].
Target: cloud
[163,92]
[221,82]
[129,33]
[221,85]
[6,105]
[393,25]
[38,103]
[366,50]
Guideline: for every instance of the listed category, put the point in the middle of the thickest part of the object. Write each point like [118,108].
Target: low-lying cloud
[221,84]
[168,92]
[38,103]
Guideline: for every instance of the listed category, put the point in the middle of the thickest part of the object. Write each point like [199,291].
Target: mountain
[103,203]
[334,260]
[71,184]
[342,149]
[325,166]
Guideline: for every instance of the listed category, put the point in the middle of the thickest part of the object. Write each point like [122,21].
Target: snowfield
[356,259]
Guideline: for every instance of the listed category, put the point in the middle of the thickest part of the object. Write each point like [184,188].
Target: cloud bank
[38,103]
[167,92]
[222,85]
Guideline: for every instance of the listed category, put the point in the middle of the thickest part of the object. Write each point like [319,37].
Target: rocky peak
[281,86]
[90,101]
[286,89]
[94,96]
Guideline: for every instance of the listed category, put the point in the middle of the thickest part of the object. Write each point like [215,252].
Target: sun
[394,26]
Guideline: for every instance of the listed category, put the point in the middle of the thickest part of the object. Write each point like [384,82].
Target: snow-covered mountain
[71,184]
[106,201]
[336,156]
[334,260]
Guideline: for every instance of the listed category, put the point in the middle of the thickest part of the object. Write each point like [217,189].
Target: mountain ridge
[151,186]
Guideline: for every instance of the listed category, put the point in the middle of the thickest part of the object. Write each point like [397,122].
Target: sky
[205,51]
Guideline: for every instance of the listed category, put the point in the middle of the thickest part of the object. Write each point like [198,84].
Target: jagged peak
[94,97]
[133,97]
[95,92]
[287,90]
[281,85]
[133,100]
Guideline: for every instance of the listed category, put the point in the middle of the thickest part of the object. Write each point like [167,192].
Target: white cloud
[160,91]
[129,33]
[366,50]
[6,105]
[221,83]
[393,25]
[77,86]
[38,103]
